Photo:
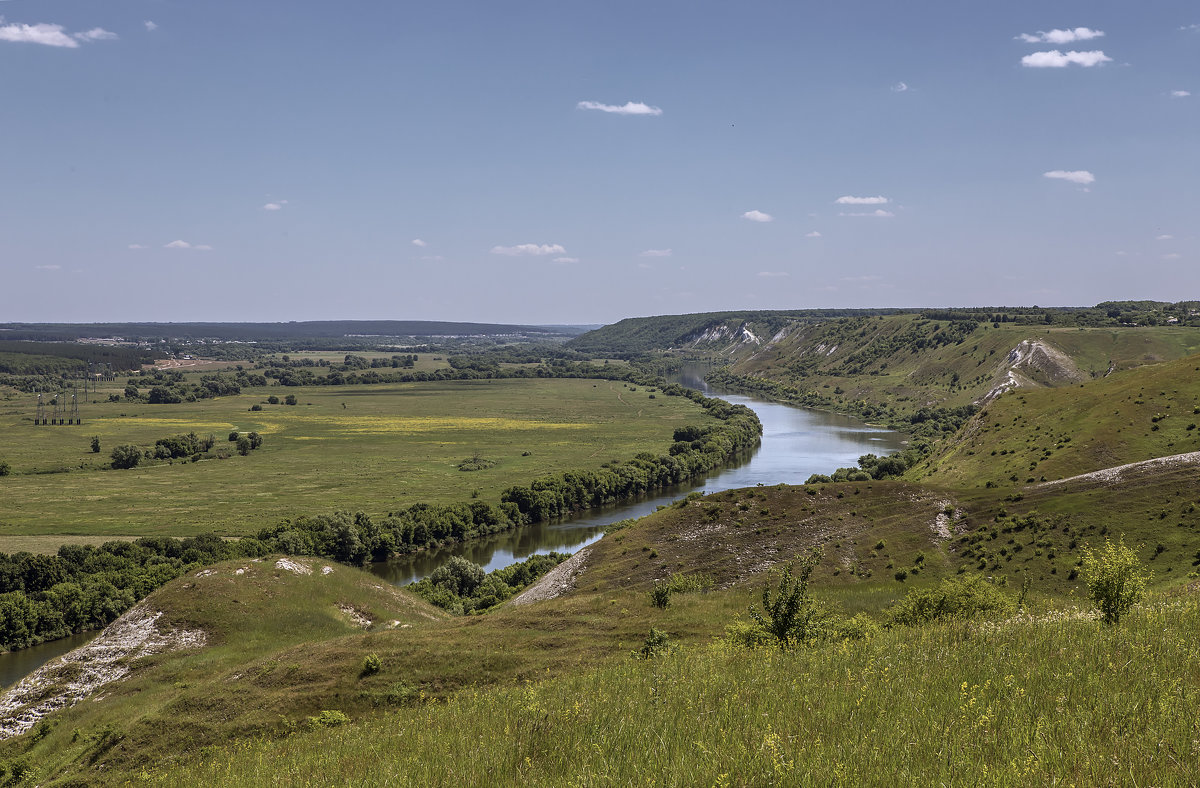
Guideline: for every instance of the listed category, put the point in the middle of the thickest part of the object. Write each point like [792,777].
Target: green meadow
[371,448]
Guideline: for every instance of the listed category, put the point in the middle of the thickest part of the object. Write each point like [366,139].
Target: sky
[581,162]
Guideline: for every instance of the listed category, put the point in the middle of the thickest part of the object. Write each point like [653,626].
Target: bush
[124,457]
[1115,579]
[328,718]
[5,468]
[655,645]
[371,664]
[961,597]
[790,614]
[95,444]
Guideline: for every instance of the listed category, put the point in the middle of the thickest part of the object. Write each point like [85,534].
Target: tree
[458,575]
[126,457]
[290,399]
[5,468]
[790,614]
[1115,579]
[95,444]
[243,445]
[255,440]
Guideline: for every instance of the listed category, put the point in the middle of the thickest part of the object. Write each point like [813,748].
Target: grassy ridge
[1034,701]
[1131,416]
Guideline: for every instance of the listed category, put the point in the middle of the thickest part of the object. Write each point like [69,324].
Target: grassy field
[1046,694]
[1041,701]
[369,448]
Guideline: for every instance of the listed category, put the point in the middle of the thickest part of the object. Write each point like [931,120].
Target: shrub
[5,468]
[328,718]
[961,597]
[655,645]
[127,456]
[371,664]
[1115,579]
[858,627]
[95,444]
[747,634]
[789,613]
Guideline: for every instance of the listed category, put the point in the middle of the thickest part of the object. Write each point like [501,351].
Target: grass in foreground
[1062,699]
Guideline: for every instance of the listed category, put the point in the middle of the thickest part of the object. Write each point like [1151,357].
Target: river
[796,443]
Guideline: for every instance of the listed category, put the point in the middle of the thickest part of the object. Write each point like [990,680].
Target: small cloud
[565,260]
[1164,237]
[96,34]
[758,216]
[1180,93]
[528,249]
[628,108]
[862,279]
[813,234]
[273,206]
[900,87]
[1190,28]
[138,246]
[42,33]
[656,253]
[1061,36]
[1056,59]
[878,212]
[862,200]
[419,242]
[48,267]
[432,257]
[150,26]
[1082,177]
[186,245]
[773,273]
[1172,256]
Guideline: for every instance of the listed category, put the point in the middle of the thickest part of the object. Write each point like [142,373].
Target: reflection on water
[796,443]
[16,665]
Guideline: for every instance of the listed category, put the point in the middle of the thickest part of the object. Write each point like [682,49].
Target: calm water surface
[16,665]
[796,443]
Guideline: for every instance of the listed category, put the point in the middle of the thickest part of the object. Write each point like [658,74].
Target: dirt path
[556,582]
[1120,472]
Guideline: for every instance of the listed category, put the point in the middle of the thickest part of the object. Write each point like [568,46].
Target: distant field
[369,448]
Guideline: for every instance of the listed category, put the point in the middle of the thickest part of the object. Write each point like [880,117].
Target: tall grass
[1061,700]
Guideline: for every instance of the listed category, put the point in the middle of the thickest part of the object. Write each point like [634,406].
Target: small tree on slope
[790,614]
[1115,579]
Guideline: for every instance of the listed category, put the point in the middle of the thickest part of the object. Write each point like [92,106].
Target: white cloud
[628,108]
[150,26]
[862,279]
[656,253]
[273,206]
[1061,36]
[419,242]
[813,234]
[773,273]
[1172,256]
[900,87]
[1056,59]
[758,216]
[565,260]
[1082,177]
[186,245]
[48,267]
[432,257]
[1164,237]
[1190,28]
[879,212]
[48,35]
[847,200]
[1180,93]
[528,249]
[137,246]
[96,34]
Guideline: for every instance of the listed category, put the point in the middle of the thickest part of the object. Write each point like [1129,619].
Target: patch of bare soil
[1120,473]
[554,583]
[63,682]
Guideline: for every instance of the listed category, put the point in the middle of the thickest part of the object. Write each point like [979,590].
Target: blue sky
[579,162]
